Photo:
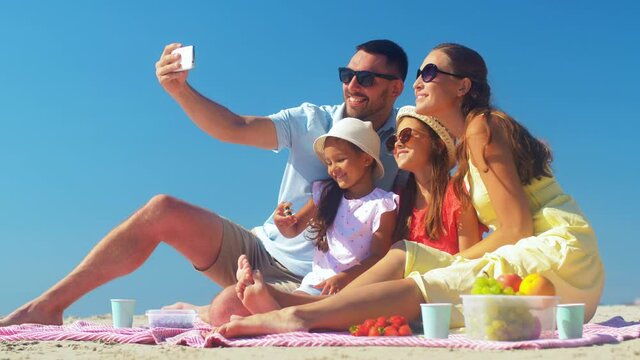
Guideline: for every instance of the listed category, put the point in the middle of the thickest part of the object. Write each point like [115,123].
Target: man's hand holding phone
[170,69]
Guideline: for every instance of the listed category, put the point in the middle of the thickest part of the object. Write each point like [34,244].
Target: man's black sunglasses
[430,71]
[365,78]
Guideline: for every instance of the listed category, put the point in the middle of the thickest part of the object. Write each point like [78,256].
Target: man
[372,81]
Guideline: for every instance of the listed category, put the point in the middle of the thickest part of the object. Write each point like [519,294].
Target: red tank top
[448,241]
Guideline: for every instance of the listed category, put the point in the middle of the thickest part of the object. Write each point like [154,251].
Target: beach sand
[629,349]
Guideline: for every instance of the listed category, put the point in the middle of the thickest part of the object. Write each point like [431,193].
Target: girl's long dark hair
[434,225]
[330,199]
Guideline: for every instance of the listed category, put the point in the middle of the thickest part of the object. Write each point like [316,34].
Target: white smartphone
[187,57]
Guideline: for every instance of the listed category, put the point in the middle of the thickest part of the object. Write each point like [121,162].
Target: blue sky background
[87,135]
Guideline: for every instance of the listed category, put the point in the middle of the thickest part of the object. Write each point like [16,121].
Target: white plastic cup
[122,312]
[570,320]
[436,319]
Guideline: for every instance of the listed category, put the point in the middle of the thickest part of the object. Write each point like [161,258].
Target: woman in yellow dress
[504,173]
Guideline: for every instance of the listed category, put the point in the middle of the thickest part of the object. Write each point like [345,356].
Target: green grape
[503,322]
[508,291]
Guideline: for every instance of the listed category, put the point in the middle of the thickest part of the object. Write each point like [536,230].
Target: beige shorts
[236,241]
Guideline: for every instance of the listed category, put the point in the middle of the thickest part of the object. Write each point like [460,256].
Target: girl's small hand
[283,216]
[333,284]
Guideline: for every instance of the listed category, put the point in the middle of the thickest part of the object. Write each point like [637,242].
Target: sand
[629,349]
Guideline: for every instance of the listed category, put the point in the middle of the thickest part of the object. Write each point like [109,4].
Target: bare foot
[203,311]
[256,297]
[31,313]
[273,322]
[244,276]
[252,290]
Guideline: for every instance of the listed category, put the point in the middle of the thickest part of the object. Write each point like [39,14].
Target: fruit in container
[536,284]
[510,280]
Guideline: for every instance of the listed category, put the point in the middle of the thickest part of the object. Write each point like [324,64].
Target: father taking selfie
[371,82]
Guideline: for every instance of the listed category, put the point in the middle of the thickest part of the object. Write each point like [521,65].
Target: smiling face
[373,103]
[443,95]
[347,165]
[414,155]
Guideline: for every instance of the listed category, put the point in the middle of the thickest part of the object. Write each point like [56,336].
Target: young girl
[537,228]
[349,219]
[430,212]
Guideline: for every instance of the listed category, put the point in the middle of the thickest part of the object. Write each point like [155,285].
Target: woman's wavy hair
[434,225]
[328,208]
[531,156]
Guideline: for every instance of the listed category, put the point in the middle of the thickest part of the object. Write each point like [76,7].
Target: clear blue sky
[87,135]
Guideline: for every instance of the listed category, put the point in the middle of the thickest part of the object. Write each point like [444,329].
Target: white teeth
[356,99]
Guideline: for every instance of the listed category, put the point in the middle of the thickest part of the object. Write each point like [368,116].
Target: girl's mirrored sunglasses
[430,71]
[365,78]
[403,136]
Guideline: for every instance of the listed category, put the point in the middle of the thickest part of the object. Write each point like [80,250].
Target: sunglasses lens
[346,75]
[391,142]
[365,78]
[405,135]
[428,72]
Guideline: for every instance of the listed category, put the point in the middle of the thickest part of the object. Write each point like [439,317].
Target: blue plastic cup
[436,319]
[570,319]
[122,312]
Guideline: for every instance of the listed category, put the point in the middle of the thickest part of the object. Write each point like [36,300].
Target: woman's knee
[397,254]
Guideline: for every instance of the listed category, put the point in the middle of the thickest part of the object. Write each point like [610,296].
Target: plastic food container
[509,317]
[171,318]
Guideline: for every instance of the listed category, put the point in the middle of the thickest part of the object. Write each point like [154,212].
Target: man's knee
[225,304]
[160,204]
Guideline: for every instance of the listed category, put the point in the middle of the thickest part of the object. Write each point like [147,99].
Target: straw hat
[359,133]
[434,124]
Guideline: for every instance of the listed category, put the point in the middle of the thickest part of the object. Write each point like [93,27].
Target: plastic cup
[570,318]
[436,319]
[122,312]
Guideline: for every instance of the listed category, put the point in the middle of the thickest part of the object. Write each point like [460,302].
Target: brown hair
[468,63]
[328,207]
[531,156]
[434,225]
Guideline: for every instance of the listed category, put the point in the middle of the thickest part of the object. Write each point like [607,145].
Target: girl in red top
[430,213]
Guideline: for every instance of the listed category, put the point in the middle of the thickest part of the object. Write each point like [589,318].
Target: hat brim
[318,148]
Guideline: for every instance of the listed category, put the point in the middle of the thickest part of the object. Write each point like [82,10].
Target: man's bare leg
[194,232]
[225,305]
[336,312]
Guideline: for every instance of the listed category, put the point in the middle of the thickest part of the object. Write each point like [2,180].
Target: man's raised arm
[213,118]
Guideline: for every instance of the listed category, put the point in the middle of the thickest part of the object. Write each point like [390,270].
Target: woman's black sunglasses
[430,71]
[365,78]
[404,136]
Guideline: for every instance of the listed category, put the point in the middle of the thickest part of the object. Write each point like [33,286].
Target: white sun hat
[433,123]
[359,133]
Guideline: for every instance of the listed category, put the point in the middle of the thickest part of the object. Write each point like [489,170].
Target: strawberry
[397,320]
[353,329]
[381,321]
[405,330]
[369,323]
[375,331]
[390,331]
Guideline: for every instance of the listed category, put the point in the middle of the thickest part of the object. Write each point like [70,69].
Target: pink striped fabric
[611,331]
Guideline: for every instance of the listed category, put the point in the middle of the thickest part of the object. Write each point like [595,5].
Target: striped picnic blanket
[612,331]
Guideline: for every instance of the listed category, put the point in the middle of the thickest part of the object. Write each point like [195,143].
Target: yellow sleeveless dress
[563,248]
